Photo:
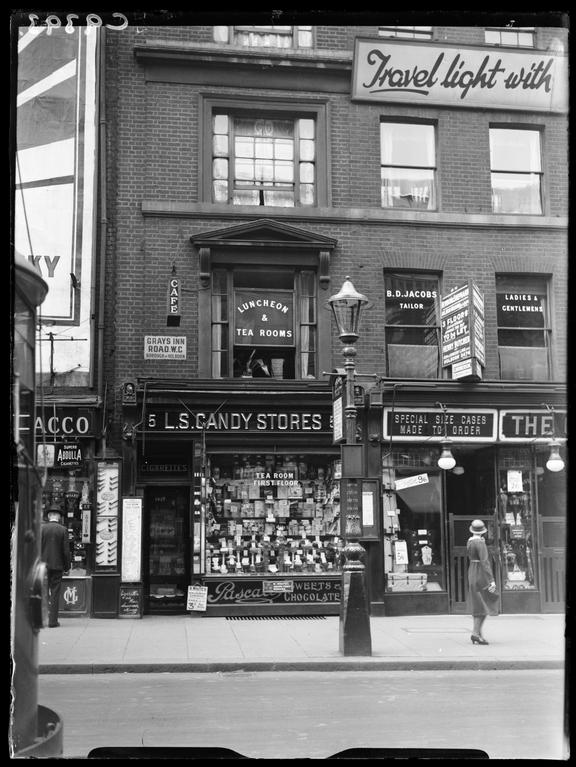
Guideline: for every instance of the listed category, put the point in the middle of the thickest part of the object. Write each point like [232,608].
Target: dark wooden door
[553,564]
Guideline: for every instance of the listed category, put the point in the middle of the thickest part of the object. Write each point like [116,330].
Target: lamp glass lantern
[446,460]
[347,307]
[554,462]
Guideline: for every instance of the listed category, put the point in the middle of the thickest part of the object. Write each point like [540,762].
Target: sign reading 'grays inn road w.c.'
[426,73]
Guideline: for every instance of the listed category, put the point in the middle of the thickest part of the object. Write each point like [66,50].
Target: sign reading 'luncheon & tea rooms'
[391,70]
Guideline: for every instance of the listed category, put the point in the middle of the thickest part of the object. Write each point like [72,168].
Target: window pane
[306,128]
[519,309]
[220,168]
[221,34]
[221,124]
[244,147]
[528,338]
[219,281]
[406,188]
[411,361]
[245,197]
[219,337]
[306,194]
[283,149]
[411,300]
[307,149]
[220,191]
[515,150]
[264,148]
[492,37]
[519,363]
[279,199]
[304,37]
[516,193]
[308,365]
[407,145]
[219,308]
[220,146]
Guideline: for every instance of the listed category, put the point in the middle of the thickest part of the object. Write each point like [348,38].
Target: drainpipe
[102,224]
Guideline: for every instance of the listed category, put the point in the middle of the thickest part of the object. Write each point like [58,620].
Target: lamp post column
[354,624]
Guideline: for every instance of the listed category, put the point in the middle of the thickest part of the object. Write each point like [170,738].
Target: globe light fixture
[458,470]
[446,460]
[554,462]
[347,306]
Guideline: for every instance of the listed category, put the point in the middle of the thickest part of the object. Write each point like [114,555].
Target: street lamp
[355,639]
[446,460]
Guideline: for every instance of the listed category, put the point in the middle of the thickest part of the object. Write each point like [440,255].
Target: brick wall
[154,151]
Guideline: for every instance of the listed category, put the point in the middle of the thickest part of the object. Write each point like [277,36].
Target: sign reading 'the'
[481,77]
[164,347]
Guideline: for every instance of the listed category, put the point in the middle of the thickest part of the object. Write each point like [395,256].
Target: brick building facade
[248,162]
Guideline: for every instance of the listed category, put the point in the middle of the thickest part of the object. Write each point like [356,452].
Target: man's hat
[54,510]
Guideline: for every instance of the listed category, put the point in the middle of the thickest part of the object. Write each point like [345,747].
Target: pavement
[197,643]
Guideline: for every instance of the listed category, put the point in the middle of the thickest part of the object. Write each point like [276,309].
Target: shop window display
[273,514]
[71,491]
[515,519]
[413,540]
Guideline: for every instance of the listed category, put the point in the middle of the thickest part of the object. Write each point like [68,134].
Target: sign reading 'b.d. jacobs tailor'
[391,70]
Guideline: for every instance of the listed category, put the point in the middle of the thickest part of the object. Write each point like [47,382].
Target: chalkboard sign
[130,601]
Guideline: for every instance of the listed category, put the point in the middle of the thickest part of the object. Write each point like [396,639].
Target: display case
[273,515]
[515,520]
[413,532]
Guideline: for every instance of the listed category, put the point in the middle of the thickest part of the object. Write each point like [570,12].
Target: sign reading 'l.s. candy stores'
[425,73]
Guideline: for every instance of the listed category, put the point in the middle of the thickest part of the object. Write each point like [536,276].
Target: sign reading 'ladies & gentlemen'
[391,70]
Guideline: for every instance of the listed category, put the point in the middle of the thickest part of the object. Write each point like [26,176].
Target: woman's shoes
[478,640]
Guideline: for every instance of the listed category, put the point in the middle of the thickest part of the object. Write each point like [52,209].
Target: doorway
[470,494]
[167,549]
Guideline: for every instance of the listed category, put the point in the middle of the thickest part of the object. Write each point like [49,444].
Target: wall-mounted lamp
[446,460]
[554,462]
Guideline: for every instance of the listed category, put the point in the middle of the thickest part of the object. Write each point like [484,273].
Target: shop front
[499,475]
[66,449]
[240,497]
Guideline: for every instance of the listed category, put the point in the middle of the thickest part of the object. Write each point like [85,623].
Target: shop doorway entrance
[470,494]
[166,547]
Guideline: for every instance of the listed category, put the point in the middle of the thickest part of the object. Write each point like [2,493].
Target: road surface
[289,715]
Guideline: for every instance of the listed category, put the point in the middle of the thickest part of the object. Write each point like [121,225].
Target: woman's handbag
[491,598]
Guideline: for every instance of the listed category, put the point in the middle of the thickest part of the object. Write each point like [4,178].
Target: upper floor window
[273,36]
[408,165]
[520,37]
[417,33]
[264,323]
[412,325]
[263,160]
[523,327]
[516,170]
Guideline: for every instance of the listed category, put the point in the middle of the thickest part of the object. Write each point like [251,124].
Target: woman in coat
[481,583]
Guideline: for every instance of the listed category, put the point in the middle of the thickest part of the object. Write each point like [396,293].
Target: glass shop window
[516,171]
[408,165]
[412,325]
[264,323]
[523,328]
[521,37]
[262,36]
[516,520]
[415,33]
[273,514]
[413,530]
[263,160]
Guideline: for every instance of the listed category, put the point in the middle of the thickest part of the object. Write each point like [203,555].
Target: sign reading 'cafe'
[390,70]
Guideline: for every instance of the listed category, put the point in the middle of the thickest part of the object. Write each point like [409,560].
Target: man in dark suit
[56,554]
